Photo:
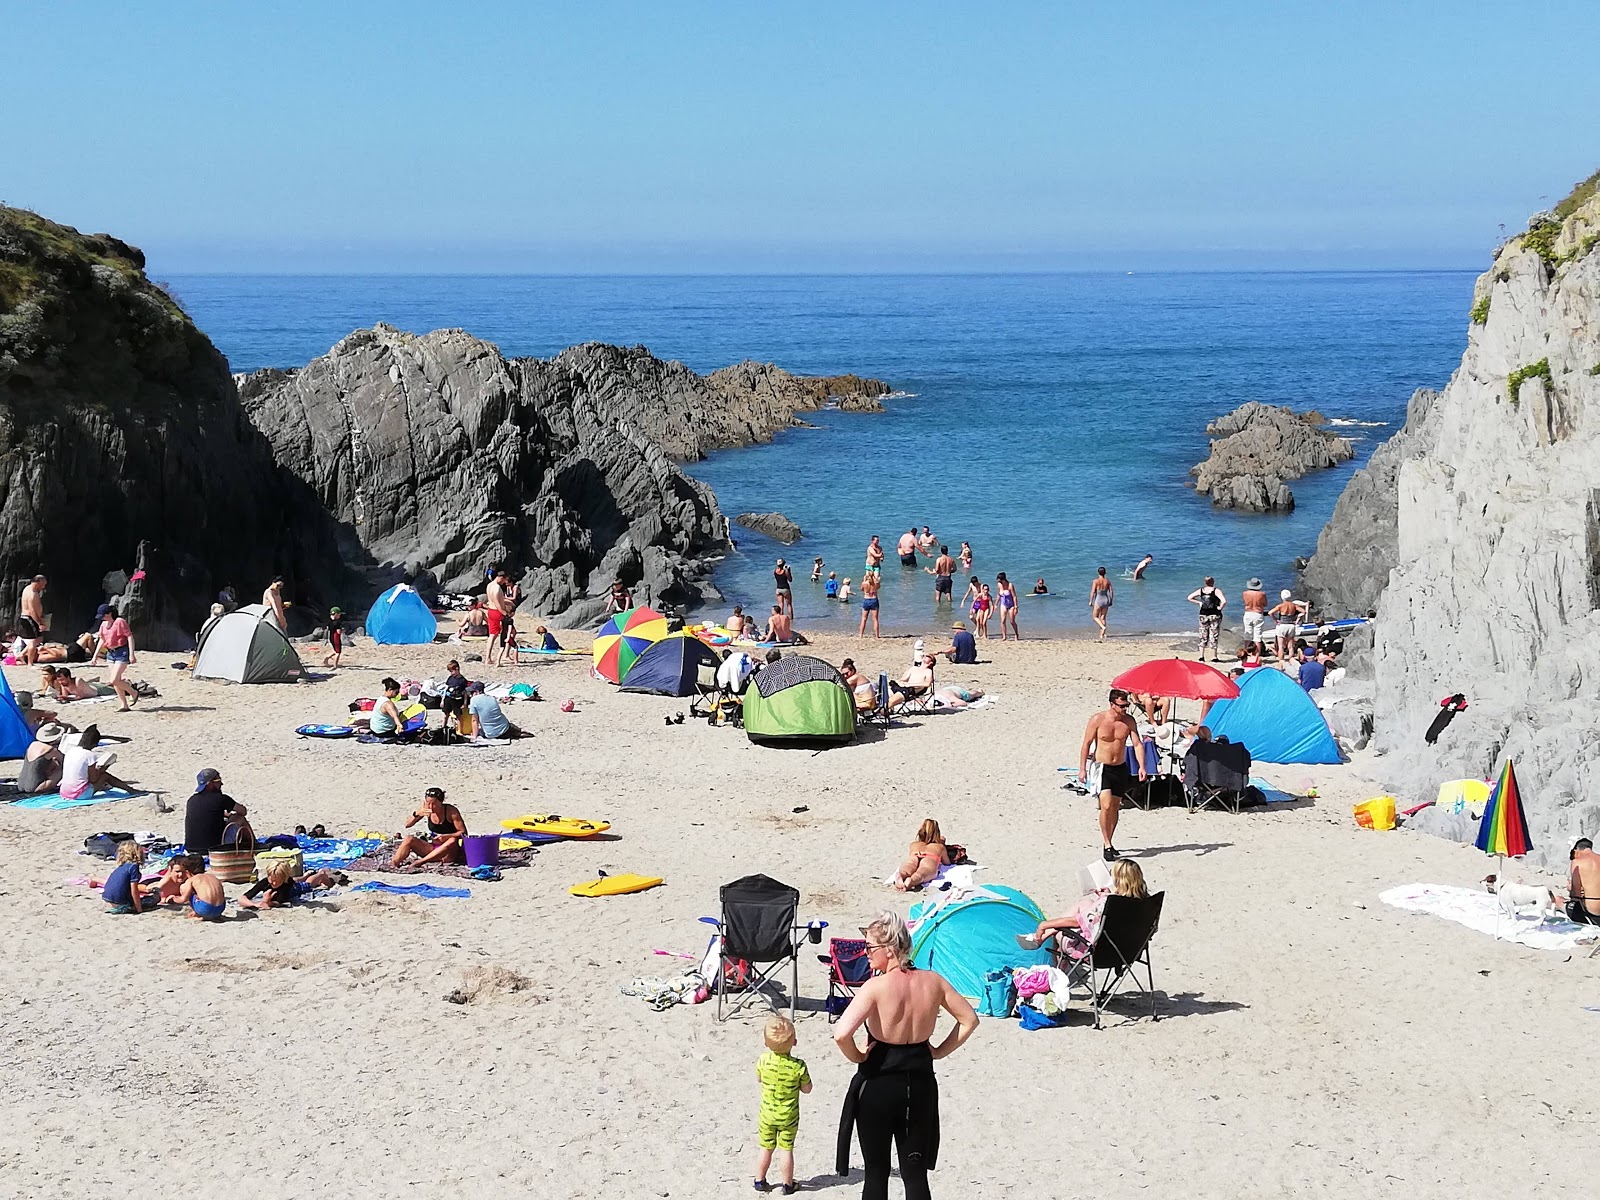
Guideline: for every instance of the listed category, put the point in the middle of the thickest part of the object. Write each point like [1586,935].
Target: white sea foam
[1347,422]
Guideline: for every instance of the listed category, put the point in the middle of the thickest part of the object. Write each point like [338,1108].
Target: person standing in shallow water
[1100,597]
[943,572]
[870,583]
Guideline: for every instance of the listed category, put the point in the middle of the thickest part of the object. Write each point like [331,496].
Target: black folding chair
[758,937]
[1216,773]
[1123,944]
[876,713]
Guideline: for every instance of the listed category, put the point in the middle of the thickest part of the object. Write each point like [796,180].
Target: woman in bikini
[894,1095]
[446,830]
[965,558]
[1008,605]
[926,856]
[870,582]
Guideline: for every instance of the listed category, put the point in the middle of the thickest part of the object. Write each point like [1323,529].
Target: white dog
[1515,897]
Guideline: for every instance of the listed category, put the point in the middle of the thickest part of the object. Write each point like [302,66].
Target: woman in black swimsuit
[446,829]
[894,1095]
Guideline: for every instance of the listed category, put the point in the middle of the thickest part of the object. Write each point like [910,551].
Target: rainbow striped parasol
[1504,829]
[623,638]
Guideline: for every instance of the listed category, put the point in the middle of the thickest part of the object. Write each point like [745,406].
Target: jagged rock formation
[1358,547]
[773,525]
[1257,448]
[438,452]
[119,424]
[1495,585]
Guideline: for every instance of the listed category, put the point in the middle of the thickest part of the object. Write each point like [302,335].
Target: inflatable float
[617,885]
[561,827]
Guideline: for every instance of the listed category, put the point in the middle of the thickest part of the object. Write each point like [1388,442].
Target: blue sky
[597,137]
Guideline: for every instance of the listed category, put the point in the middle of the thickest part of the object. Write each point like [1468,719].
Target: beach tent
[965,938]
[669,667]
[246,646]
[800,700]
[15,735]
[623,638]
[1276,720]
[400,617]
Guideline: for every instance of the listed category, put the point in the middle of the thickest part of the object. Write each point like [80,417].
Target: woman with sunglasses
[894,1094]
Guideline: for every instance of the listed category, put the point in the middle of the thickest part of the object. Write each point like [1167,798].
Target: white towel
[1479,910]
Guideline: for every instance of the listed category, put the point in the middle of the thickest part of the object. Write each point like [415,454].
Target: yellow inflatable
[617,885]
[567,827]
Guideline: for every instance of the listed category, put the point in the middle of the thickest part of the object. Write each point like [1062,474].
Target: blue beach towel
[428,891]
[54,800]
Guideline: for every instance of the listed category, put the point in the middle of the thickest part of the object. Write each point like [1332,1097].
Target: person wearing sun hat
[962,647]
[41,765]
[1254,600]
[1287,612]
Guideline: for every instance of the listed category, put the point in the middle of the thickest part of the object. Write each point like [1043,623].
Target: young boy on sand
[281,888]
[784,1079]
[202,891]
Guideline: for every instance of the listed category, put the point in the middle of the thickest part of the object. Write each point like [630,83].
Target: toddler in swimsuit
[202,891]
[784,1079]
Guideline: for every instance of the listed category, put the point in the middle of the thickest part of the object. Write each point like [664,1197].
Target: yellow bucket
[1377,813]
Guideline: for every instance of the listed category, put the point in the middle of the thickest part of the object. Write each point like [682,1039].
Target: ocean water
[1049,420]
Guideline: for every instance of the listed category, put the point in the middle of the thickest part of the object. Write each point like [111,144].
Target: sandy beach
[1313,1041]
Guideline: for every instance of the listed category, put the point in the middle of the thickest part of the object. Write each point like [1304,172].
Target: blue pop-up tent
[399,617]
[1275,719]
[15,735]
[965,939]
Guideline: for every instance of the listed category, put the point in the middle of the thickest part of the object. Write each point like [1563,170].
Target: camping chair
[916,699]
[1123,944]
[876,710]
[757,939]
[708,693]
[848,969]
[1216,773]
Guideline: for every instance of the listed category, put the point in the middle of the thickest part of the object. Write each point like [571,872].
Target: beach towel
[55,800]
[428,891]
[334,852]
[376,861]
[1477,909]
[1269,791]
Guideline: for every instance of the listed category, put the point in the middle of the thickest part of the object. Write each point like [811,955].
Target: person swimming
[1040,588]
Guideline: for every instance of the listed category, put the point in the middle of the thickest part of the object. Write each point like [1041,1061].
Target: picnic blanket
[54,800]
[1477,909]
[334,852]
[428,891]
[377,860]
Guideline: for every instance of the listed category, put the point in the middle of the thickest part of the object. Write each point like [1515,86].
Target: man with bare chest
[1106,737]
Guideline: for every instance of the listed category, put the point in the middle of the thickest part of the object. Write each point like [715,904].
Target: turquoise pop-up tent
[1275,720]
[15,736]
[399,617]
[967,938]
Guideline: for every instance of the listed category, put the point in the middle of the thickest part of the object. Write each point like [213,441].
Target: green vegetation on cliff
[1514,381]
[1578,197]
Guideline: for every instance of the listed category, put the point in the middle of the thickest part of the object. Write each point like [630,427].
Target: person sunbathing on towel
[956,696]
[926,856]
[446,829]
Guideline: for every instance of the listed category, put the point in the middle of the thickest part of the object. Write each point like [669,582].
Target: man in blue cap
[209,813]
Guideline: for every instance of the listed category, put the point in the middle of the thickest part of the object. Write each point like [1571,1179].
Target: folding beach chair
[1123,944]
[916,699]
[708,693]
[758,938]
[848,969]
[876,710]
[1216,773]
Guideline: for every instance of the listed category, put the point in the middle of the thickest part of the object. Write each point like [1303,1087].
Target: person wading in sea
[1106,737]
[943,572]
[1100,597]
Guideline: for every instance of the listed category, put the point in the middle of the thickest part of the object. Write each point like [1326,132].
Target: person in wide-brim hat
[1254,583]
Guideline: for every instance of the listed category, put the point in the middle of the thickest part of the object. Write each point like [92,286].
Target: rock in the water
[1494,587]
[1257,448]
[773,524]
[119,425]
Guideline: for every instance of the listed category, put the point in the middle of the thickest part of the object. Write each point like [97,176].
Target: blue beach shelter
[400,618]
[15,736]
[967,938]
[1275,719]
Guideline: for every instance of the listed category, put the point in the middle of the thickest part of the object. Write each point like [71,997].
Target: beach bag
[232,866]
[1032,1018]
[999,994]
[266,859]
[104,845]
[466,724]
[1377,813]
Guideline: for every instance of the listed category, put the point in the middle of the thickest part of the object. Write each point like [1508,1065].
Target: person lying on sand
[926,855]
[956,696]
[446,829]
[60,682]
[282,887]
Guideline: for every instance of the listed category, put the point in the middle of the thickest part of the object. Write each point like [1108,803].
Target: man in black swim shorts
[1107,736]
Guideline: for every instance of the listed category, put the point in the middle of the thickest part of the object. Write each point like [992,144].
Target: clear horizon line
[819,274]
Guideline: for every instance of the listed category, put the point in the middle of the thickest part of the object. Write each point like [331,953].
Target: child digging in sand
[123,892]
[202,891]
[784,1079]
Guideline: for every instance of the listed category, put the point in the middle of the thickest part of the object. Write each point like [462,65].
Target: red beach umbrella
[1178,677]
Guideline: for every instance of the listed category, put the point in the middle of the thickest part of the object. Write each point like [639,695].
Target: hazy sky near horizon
[602,137]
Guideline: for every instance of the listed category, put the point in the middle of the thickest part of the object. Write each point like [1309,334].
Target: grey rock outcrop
[773,525]
[1495,587]
[1359,545]
[119,425]
[1258,447]
[439,453]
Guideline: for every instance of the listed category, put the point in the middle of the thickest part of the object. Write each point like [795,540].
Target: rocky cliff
[1258,447]
[119,424]
[1494,582]
[441,454]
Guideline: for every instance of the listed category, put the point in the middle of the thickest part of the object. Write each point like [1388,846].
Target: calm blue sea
[1050,420]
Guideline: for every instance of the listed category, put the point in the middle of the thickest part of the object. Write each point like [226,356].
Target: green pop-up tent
[799,700]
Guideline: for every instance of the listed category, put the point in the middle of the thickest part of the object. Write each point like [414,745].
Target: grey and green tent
[799,700]
[246,646]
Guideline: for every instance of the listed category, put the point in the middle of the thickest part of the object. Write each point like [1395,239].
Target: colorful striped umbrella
[1504,829]
[623,638]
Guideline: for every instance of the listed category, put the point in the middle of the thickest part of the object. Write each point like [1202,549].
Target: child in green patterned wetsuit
[784,1079]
